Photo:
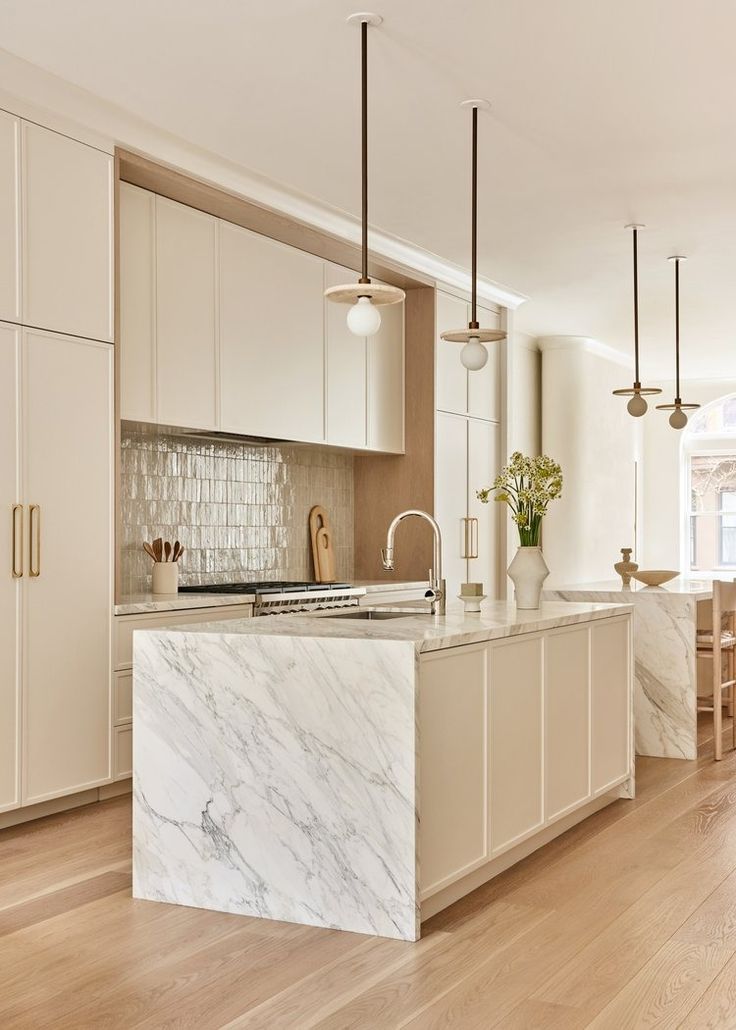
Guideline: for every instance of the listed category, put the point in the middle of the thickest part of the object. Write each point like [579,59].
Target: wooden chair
[717,643]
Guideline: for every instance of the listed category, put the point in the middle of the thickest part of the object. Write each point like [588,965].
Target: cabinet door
[186,350]
[12,560]
[452,765]
[483,463]
[451,495]
[347,371]
[137,303]
[271,338]
[611,725]
[67,445]
[567,727]
[452,377]
[67,235]
[386,382]
[484,386]
[515,741]
[9,217]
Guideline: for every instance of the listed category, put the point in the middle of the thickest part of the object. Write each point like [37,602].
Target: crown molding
[585,343]
[37,95]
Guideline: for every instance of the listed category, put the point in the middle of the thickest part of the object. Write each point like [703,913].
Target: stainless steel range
[279,597]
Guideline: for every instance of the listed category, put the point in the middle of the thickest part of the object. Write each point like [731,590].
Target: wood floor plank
[716,1009]
[665,990]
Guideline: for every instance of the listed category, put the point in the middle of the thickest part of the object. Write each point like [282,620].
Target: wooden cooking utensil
[167,551]
[175,552]
[158,548]
[181,552]
[149,550]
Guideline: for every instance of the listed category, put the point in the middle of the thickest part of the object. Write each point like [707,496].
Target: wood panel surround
[384,484]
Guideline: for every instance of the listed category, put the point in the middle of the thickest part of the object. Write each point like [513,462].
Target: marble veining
[288,791]
[665,681]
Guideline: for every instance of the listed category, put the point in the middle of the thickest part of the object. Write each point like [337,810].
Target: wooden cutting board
[323,551]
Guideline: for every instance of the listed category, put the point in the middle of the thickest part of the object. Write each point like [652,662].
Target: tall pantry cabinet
[56,463]
[467,453]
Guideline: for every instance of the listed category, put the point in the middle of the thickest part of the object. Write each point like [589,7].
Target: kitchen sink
[369,614]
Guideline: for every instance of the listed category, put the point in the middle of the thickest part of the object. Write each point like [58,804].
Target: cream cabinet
[386,382]
[186,290]
[477,394]
[9,217]
[514,736]
[271,337]
[346,371]
[137,275]
[66,235]
[467,459]
[56,468]
[221,328]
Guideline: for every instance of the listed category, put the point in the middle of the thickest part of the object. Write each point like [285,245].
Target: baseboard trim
[17,816]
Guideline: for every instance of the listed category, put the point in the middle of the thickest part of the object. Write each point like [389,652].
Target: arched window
[709,453]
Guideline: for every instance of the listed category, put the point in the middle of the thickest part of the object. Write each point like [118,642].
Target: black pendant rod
[364,145]
[474,220]
[677,331]
[636,308]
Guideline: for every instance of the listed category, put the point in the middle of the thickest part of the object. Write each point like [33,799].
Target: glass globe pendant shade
[474,355]
[364,318]
[637,406]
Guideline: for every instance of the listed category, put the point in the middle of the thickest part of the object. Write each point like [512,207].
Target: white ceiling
[603,113]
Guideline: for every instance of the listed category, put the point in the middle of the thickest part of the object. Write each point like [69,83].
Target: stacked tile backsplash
[240,510]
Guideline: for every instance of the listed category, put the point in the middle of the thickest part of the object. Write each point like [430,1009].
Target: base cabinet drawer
[123,752]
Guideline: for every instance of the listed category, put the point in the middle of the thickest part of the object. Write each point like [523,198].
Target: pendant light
[474,355]
[678,418]
[637,405]
[365,297]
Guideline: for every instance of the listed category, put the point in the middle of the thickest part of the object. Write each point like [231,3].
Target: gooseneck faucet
[436,592]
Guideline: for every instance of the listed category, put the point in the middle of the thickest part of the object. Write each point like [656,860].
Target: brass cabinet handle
[470,537]
[34,521]
[17,543]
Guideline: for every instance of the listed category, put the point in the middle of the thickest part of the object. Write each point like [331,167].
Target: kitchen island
[665,657]
[364,773]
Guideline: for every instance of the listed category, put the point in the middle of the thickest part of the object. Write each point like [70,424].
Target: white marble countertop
[497,619]
[142,604]
[683,586]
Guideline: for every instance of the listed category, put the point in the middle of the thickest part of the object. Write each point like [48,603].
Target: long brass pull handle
[17,543]
[473,538]
[34,522]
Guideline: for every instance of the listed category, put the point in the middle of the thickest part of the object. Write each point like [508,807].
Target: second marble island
[362,773]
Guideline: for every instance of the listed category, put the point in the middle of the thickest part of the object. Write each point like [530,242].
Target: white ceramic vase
[528,571]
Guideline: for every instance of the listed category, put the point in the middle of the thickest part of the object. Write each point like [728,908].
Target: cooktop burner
[262,587]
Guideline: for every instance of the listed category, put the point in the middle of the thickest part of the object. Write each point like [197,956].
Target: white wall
[662,519]
[525,416]
[589,432]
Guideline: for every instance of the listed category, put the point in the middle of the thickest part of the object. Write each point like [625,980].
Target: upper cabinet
[137,209]
[466,393]
[186,289]
[9,217]
[271,337]
[222,328]
[66,235]
[346,370]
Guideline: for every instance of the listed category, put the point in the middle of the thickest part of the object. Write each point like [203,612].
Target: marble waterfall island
[665,658]
[362,775]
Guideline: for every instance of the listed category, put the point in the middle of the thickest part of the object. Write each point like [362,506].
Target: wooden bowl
[654,577]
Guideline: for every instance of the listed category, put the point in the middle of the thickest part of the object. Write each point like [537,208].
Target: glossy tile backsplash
[240,510]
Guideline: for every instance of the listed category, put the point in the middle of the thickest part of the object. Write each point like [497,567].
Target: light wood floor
[628,920]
